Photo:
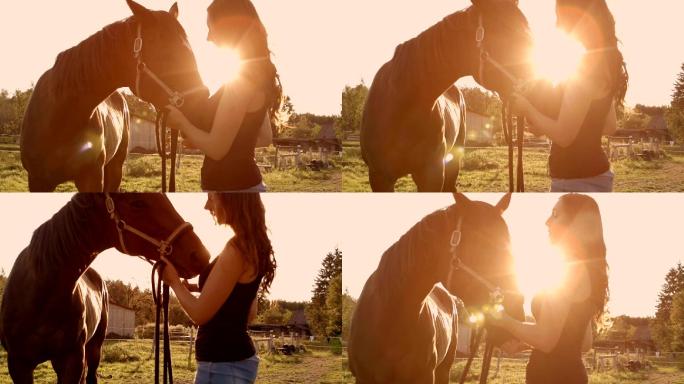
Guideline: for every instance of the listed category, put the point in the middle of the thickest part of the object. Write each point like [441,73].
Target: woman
[228,290]
[229,129]
[587,109]
[565,316]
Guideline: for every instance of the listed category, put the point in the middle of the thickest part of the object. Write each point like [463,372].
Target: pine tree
[678,94]
[662,325]
[316,313]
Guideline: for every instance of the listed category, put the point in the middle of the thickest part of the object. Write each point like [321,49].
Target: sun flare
[539,266]
[556,56]
[218,65]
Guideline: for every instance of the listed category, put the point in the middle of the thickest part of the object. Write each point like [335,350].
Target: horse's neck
[64,246]
[434,60]
[409,270]
[89,72]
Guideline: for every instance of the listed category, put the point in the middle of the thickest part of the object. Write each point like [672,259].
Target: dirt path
[301,369]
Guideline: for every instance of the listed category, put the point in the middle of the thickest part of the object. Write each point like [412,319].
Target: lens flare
[557,56]
[218,65]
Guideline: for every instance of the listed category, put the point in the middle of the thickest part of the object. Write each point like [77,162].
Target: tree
[678,93]
[353,102]
[333,307]
[275,314]
[677,322]
[348,307]
[675,115]
[662,325]
[317,316]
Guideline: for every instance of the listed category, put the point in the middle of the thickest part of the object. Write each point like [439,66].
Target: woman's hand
[169,274]
[519,104]
[176,118]
[190,286]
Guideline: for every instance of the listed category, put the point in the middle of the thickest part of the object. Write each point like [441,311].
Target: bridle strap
[176,98]
[485,57]
[164,247]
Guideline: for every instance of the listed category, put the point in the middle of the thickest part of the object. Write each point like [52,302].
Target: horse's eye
[139,204]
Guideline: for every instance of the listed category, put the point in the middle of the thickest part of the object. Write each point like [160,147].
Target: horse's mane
[414,60]
[65,236]
[420,254]
[75,66]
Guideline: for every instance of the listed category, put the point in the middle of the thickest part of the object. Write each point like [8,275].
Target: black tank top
[564,364]
[238,169]
[584,157]
[224,338]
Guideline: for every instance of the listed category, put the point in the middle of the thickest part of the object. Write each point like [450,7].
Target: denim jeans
[600,183]
[236,372]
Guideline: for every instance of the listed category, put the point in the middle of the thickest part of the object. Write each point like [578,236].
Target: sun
[556,56]
[217,65]
[539,266]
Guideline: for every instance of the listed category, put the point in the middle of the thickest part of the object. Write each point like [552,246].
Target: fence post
[192,342]
[277,166]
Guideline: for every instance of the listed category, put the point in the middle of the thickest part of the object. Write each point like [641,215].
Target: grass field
[143,174]
[486,170]
[513,372]
[131,362]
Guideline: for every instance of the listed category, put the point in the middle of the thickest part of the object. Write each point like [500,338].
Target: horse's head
[153,215]
[165,51]
[503,54]
[484,248]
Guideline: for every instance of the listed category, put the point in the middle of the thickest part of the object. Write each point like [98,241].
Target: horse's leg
[451,171]
[113,172]
[93,352]
[380,182]
[20,371]
[91,177]
[36,184]
[443,371]
[70,368]
[431,177]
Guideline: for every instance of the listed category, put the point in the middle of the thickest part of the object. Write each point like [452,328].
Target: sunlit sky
[300,231]
[642,235]
[321,46]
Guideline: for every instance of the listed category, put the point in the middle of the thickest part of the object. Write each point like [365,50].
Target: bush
[118,353]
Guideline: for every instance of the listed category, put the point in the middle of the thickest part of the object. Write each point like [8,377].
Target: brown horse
[404,328]
[67,134]
[55,307]
[415,116]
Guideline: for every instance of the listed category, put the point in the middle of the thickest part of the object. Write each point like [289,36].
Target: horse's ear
[461,199]
[502,206]
[174,10]
[137,9]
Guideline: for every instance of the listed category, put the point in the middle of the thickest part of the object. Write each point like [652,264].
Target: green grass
[127,362]
[513,372]
[143,174]
[486,170]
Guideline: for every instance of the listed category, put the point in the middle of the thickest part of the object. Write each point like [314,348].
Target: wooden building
[121,322]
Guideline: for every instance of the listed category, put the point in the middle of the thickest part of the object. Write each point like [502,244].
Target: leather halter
[177,99]
[164,247]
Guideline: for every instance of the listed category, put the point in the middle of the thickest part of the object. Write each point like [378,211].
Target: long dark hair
[245,214]
[240,22]
[584,217]
[605,41]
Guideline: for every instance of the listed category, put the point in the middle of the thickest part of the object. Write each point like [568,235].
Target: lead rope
[161,296]
[161,133]
[515,184]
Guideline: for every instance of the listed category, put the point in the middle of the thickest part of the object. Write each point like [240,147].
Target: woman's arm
[252,311]
[574,108]
[220,283]
[234,104]
[265,134]
[588,340]
[611,121]
[545,333]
